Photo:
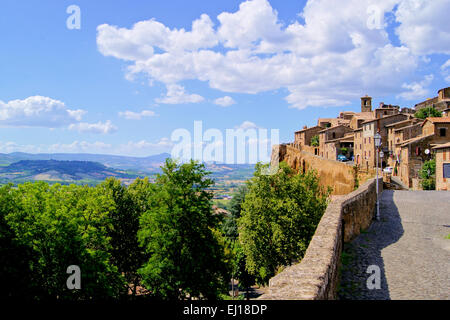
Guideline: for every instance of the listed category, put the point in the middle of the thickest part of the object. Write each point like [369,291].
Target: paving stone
[408,245]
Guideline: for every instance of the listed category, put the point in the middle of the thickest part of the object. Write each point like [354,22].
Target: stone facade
[369,130]
[340,176]
[441,102]
[442,160]
[329,134]
[398,133]
[316,277]
[303,137]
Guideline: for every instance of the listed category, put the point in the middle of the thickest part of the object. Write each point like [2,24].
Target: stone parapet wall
[316,277]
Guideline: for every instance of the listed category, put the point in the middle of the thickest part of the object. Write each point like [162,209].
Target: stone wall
[316,277]
[338,175]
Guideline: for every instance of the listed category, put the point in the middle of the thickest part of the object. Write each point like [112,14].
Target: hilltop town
[406,141]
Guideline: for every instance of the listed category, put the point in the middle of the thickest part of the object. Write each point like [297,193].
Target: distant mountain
[18,167]
[148,164]
[60,171]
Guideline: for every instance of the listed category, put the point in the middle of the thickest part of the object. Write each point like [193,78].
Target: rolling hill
[82,168]
[60,171]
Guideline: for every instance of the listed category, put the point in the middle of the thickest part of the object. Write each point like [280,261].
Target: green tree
[186,259]
[15,276]
[280,214]
[315,141]
[344,151]
[129,204]
[230,223]
[428,175]
[62,226]
[230,231]
[427,112]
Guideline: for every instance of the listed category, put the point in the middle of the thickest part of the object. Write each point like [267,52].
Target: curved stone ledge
[316,276]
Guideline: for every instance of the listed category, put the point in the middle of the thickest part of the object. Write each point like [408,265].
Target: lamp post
[377,140]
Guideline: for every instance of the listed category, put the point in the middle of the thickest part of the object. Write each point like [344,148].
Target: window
[446,170]
[442,132]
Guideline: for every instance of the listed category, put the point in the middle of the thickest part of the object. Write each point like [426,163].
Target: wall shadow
[365,250]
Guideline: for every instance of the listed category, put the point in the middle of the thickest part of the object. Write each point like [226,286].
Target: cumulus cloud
[424,25]
[416,90]
[176,94]
[225,101]
[99,127]
[445,70]
[321,62]
[247,125]
[130,115]
[37,111]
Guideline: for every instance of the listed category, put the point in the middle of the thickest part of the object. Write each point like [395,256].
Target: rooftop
[437,120]
[443,145]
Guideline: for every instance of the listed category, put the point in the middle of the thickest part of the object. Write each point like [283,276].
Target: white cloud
[176,94]
[424,25]
[37,111]
[329,60]
[9,146]
[225,101]
[130,115]
[247,125]
[99,127]
[80,146]
[416,90]
[130,148]
[445,70]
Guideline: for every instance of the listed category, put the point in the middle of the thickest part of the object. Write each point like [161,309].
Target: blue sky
[130,76]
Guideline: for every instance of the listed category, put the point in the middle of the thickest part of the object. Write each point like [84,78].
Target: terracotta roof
[364,115]
[443,145]
[308,129]
[340,125]
[437,120]
[386,117]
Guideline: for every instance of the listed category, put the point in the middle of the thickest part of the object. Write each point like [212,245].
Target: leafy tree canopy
[186,259]
[279,216]
[427,112]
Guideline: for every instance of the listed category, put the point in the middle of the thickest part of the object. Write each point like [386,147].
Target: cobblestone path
[409,246]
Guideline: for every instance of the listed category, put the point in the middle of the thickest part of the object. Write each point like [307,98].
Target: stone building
[414,152]
[386,110]
[366,104]
[399,132]
[442,152]
[369,128]
[412,156]
[360,117]
[358,145]
[441,102]
[437,126]
[334,147]
[303,137]
[332,133]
